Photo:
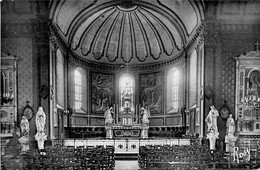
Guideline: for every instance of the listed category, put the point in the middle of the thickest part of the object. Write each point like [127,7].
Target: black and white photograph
[130,84]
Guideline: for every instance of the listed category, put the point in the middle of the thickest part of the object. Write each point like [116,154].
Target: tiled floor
[126,165]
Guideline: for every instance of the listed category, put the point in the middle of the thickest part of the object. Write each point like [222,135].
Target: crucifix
[257,44]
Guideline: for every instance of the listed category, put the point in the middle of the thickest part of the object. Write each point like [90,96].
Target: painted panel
[81,121]
[172,121]
[95,121]
[102,92]
[156,122]
[151,92]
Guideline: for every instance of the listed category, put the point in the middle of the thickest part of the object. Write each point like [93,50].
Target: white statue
[40,123]
[108,116]
[40,120]
[211,121]
[230,139]
[230,126]
[25,127]
[145,115]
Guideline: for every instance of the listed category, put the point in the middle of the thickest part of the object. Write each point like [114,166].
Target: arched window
[126,92]
[78,89]
[173,81]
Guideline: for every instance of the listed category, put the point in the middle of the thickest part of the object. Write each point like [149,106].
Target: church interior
[156,84]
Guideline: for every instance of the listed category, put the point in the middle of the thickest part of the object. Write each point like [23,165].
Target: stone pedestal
[212,140]
[109,133]
[40,138]
[24,141]
[144,133]
[230,143]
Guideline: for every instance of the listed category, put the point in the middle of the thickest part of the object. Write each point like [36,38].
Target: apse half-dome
[123,35]
[126,31]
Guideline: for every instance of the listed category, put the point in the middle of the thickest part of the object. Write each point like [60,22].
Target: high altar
[127,125]
[125,120]
[248,100]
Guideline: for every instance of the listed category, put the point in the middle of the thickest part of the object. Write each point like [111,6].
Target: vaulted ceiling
[126,31]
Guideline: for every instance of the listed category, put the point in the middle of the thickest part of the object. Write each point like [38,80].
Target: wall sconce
[7,97]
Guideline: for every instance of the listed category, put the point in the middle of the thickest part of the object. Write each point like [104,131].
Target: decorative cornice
[53,41]
[56,39]
[231,27]
[196,37]
[95,65]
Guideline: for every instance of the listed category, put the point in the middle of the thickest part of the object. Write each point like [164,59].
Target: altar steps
[126,156]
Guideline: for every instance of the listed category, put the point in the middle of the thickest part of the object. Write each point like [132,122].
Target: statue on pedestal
[25,139]
[108,122]
[145,113]
[230,126]
[40,126]
[211,121]
[230,139]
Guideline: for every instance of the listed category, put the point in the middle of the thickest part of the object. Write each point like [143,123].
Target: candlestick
[136,113]
[117,113]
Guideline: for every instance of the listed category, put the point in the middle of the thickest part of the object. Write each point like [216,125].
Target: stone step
[126,156]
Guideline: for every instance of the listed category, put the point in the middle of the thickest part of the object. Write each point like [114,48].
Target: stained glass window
[173,83]
[175,89]
[78,90]
[126,92]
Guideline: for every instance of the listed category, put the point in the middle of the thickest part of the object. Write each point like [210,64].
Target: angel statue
[108,116]
[145,115]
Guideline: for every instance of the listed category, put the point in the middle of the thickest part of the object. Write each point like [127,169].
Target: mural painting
[102,92]
[151,92]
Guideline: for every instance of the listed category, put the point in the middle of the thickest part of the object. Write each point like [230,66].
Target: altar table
[127,146]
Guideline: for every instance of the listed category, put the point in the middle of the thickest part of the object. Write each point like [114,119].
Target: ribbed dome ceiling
[119,34]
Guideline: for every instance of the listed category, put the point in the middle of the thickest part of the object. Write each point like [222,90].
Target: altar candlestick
[136,120]
[117,112]
[114,109]
[4,86]
[139,113]
[136,117]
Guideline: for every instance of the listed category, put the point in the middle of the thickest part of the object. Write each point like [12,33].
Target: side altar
[247,106]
